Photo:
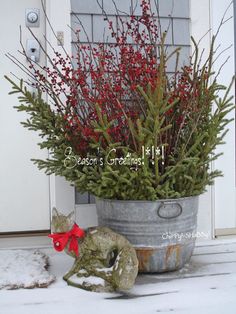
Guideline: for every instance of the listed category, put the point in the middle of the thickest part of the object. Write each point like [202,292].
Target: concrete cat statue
[107,262]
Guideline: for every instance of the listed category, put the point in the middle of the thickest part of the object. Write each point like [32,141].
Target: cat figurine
[106,262]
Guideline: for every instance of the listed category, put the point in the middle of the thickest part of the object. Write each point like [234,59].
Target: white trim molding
[62,194]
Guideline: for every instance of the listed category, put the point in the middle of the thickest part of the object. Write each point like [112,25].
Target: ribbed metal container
[162,232]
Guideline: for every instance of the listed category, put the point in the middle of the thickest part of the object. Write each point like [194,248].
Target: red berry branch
[120,94]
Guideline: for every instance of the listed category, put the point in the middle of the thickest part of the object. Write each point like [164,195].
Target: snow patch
[23,269]
[91,280]
[82,271]
[117,261]
[105,270]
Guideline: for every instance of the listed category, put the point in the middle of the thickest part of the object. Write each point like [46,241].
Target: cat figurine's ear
[71,216]
[55,212]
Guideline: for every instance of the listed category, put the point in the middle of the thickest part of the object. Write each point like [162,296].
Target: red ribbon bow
[60,240]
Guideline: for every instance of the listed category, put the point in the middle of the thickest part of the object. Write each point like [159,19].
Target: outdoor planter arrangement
[142,141]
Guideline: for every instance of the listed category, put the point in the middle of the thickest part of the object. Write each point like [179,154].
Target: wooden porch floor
[207,285]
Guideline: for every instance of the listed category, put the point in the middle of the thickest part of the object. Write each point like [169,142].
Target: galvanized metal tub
[162,232]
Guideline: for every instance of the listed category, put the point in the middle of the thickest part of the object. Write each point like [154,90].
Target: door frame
[205,15]
[224,188]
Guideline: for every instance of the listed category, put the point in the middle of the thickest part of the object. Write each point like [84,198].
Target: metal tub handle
[176,213]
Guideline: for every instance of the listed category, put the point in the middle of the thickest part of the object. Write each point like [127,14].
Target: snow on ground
[207,286]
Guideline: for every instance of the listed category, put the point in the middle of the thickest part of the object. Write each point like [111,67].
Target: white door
[24,190]
[225,193]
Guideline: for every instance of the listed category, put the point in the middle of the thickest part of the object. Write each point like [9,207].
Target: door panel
[24,190]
